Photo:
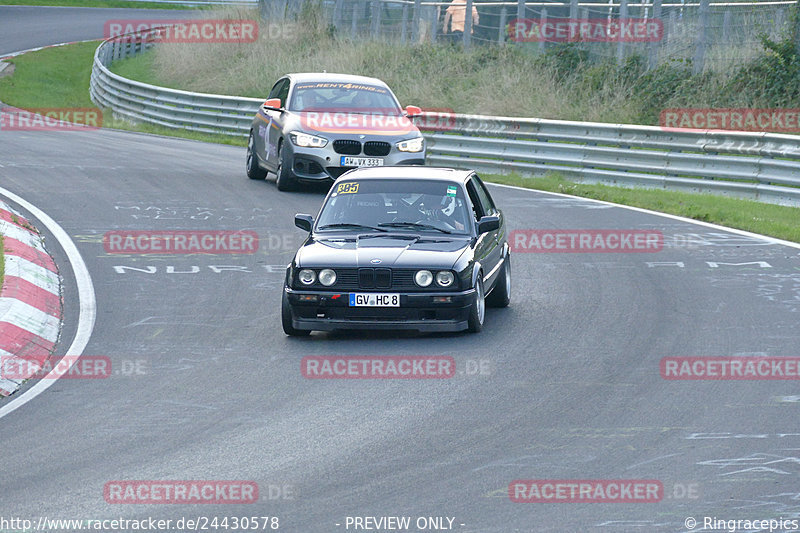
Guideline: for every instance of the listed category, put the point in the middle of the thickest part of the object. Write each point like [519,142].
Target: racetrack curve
[572,388]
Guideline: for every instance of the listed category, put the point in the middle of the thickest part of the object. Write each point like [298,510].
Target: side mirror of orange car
[413,111]
[273,103]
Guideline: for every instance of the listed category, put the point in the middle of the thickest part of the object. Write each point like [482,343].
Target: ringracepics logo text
[180,242]
[586,241]
[570,30]
[50,119]
[186,31]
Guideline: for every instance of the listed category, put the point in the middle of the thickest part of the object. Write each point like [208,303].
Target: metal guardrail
[759,166]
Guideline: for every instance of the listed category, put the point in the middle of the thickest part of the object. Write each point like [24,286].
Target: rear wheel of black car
[478,310]
[285,180]
[501,294]
[286,319]
[254,171]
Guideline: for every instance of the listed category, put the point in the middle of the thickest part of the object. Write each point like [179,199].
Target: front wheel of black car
[478,310]
[285,181]
[286,319]
[254,171]
[501,294]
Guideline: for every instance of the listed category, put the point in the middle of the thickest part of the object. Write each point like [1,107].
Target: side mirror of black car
[488,223]
[304,221]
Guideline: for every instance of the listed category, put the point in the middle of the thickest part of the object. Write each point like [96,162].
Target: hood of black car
[382,251]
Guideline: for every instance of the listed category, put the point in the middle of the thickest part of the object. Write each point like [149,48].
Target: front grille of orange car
[347,147]
[377,148]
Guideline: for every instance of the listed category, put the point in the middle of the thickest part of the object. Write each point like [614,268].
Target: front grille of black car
[378,279]
[374,278]
[377,148]
[347,147]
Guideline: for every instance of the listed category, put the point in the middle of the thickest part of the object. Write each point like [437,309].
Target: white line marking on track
[771,240]
[86,298]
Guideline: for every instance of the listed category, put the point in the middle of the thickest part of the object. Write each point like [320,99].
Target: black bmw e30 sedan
[405,247]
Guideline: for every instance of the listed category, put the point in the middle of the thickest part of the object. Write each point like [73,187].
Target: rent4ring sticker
[452,190]
[346,188]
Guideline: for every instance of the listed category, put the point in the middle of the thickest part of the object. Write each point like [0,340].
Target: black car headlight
[327,277]
[411,145]
[423,278]
[445,278]
[306,140]
[307,276]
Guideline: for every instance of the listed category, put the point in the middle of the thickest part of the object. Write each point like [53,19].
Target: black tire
[501,294]
[286,320]
[254,170]
[477,313]
[284,178]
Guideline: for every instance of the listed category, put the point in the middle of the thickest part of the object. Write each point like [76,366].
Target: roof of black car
[407,172]
[333,77]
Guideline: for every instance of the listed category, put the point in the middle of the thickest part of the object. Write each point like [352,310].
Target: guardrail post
[376,18]
[468,25]
[623,14]
[404,25]
[726,27]
[542,21]
[702,38]
[652,47]
[502,30]
[336,19]
[415,21]
[434,24]
[354,21]
[573,10]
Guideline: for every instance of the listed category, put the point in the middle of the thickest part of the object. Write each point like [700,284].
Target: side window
[276,89]
[280,90]
[486,199]
[283,94]
[477,208]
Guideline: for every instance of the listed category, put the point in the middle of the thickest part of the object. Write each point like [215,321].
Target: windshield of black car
[344,98]
[391,203]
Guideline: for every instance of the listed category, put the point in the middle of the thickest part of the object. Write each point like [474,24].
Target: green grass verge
[97,3]
[767,219]
[59,78]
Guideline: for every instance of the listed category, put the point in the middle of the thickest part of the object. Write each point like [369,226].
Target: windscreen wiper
[350,225]
[412,225]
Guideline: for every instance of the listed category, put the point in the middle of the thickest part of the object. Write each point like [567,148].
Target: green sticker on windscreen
[452,190]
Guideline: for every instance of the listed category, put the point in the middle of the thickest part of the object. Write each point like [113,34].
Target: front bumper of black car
[428,312]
